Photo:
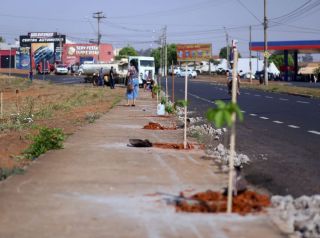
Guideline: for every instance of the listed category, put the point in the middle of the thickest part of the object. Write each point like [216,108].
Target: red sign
[72,53]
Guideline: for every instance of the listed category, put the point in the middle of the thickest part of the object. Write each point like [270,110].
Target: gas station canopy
[306,46]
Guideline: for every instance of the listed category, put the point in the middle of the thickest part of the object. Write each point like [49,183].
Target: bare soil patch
[216,202]
[28,106]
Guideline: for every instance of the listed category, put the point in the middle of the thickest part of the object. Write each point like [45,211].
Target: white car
[176,70]
[191,73]
[247,76]
[61,69]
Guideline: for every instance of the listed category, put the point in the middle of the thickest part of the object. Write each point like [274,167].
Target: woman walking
[133,83]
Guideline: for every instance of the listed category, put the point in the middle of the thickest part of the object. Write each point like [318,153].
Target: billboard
[77,53]
[23,58]
[194,52]
[45,46]
[42,52]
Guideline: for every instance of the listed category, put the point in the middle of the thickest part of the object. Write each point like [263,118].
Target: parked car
[61,69]
[260,75]
[191,73]
[176,70]
[246,75]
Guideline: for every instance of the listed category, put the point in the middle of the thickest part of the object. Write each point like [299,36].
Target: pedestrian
[145,80]
[149,79]
[31,75]
[229,82]
[133,83]
[100,77]
[111,77]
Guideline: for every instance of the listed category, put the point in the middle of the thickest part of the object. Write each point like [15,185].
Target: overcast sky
[139,22]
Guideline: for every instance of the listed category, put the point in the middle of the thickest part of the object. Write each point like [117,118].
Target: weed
[91,117]
[45,112]
[47,139]
[169,108]
[5,172]
[116,101]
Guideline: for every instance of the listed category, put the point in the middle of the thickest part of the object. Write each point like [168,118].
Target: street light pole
[265,26]
[250,63]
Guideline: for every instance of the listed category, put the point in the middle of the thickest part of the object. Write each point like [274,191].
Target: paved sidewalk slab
[97,186]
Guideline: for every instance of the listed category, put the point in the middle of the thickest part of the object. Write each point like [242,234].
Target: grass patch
[47,139]
[116,101]
[282,88]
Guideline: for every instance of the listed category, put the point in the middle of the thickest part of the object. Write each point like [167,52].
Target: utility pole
[228,50]
[250,63]
[60,46]
[265,26]
[98,16]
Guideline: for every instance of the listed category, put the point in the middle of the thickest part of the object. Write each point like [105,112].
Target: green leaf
[222,114]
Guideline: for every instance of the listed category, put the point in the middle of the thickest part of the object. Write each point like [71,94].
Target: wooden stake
[1,107]
[172,82]
[233,130]
[185,109]
[17,100]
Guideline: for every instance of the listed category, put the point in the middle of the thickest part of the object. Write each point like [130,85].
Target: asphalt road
[280,134]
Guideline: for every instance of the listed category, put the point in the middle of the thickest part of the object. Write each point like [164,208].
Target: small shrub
[169,108]
[91,117]
[163,100]
[47,139]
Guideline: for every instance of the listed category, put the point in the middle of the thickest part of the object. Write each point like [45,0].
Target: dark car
[260,75]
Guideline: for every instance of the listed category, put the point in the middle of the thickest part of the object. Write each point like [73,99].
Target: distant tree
[146,52]
[127,51]
[215,62]
[2,39]
[223,53]
[171,55]
[156,54]
[278,60]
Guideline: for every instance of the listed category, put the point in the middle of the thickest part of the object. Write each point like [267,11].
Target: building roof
[309,68]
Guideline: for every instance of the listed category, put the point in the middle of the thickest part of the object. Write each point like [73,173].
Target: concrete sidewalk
[97,186]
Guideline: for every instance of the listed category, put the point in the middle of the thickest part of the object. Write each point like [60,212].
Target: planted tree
[225,114]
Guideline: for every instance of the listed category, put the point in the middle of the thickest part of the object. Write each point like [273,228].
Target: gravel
[298,217]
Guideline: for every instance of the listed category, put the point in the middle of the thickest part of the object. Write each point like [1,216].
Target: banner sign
[26,41]
[194,52]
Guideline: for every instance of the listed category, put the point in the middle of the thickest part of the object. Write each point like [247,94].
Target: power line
[177,10]
[299,12]
[252,14]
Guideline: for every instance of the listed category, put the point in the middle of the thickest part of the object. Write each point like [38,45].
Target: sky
[140,23]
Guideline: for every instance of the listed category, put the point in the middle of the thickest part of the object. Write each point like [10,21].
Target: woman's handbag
[129,87]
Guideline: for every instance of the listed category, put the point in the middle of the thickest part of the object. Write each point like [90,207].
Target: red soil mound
[214,202]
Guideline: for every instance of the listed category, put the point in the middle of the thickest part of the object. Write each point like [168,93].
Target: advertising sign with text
[194,52]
